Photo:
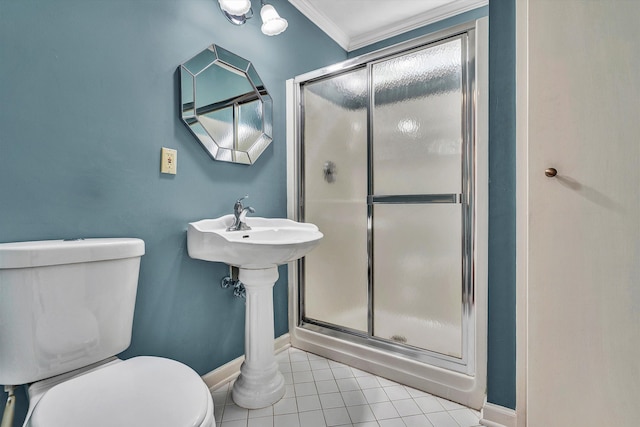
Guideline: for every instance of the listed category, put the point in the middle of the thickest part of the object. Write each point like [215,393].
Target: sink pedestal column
[260,383]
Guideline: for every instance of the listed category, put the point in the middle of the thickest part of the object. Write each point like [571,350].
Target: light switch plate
[169,160]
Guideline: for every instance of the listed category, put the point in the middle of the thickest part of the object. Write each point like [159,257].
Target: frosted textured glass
[335,130]
[418,276]
[417,122]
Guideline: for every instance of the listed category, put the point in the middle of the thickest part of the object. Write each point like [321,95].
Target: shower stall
[387,155]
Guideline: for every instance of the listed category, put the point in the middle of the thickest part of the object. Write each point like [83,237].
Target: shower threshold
[391,345]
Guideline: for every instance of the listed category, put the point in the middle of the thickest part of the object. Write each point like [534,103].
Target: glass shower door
[334,128]
[417,169]
[387,170]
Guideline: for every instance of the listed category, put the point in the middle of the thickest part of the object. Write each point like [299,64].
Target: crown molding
[320,19]
[385,32]
[417,21]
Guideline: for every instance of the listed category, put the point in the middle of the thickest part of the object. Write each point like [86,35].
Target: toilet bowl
[141,391]
[66,311]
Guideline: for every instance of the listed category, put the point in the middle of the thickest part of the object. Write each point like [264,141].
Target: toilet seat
[142,391]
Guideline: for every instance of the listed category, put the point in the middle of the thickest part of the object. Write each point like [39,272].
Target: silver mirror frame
[235,148]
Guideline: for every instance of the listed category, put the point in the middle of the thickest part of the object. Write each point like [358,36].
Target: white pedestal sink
[257,253]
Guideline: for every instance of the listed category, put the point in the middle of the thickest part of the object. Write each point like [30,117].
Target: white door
[583,280]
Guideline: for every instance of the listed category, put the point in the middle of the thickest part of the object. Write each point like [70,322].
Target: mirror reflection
[225,105]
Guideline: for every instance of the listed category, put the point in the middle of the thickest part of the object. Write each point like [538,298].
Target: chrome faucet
[240,213]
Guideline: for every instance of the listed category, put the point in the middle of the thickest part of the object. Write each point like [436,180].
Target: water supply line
[232,281]
[9,408]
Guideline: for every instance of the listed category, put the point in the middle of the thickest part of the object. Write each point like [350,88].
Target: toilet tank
[65,304]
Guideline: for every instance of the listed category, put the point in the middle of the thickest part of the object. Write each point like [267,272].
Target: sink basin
[270,242]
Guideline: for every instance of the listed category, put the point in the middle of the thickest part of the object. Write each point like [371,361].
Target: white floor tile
[289,391]
[308,403]
[334,364]
[298,356]
[305,389]
[368,382]
[386,383]
[219,398]
[322,375]
[319,364]
[397,392]
[367,424]
[217,413]
[288,377]
[234,412]
[238,423]
[339,373]
[464,417]
[394,422]
[449,405]
[289,420]
[417,421]
[336,416]
[263,412]
[331,400]
[415,393]
[312,356]
[428,404]
[260,422]
[359,373]
[384,411]
[285,406]
[302,377]
[354,398]
[348,384]
[300,366]
[442,419]
[329,386]
[283,357]
[293,350]
[360,414]
[312,419]
[375,395]
[284,366]
[406,407]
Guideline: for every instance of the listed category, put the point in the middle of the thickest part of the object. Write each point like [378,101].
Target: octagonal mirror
[225,105]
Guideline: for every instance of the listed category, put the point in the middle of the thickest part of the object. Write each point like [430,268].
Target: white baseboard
[498,416]
[231,370]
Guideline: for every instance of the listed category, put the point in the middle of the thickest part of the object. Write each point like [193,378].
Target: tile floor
[324,393]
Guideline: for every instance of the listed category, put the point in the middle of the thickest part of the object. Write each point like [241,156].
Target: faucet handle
[237,206]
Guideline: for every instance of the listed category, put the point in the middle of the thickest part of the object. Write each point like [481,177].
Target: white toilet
[66,310]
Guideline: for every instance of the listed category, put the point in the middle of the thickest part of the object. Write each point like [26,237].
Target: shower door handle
[414,198]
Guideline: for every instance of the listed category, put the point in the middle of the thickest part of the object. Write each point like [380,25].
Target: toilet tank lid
[57,252]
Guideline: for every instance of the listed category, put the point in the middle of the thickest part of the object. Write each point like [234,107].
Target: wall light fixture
[272,23]
[238,11]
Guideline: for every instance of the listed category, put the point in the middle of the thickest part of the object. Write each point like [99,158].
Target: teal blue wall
[89,94]
[501,381]
[501,369]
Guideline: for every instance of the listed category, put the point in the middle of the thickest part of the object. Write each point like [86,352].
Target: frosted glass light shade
[272,23]
[235,7]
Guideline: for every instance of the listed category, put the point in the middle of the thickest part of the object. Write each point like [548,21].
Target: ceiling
[357,23]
